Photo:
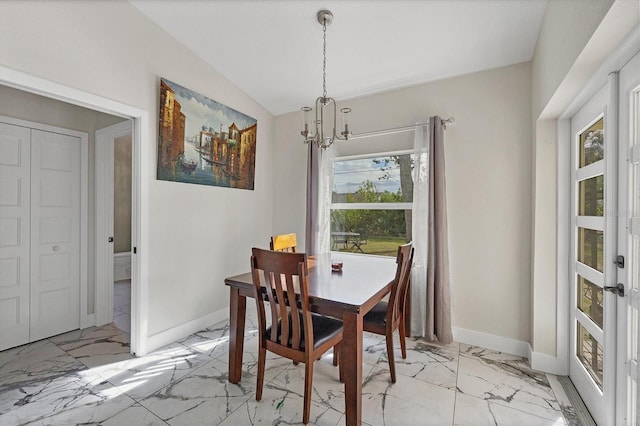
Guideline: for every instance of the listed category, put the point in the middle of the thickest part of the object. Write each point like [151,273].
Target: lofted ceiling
[272,50]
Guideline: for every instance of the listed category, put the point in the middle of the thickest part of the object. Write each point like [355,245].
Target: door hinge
[135,250]
[618,289]
[619,262]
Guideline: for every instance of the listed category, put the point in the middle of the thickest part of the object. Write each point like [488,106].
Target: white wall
[198,234]
[488,182]
[566,29]
[575,39]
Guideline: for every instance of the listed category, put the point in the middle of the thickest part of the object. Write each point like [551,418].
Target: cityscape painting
[204,142]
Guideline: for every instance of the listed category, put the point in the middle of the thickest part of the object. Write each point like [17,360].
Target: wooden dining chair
[386,317]
[284,242]
[296,333]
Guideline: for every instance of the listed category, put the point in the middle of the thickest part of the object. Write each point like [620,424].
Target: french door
[592,365]
[605,249]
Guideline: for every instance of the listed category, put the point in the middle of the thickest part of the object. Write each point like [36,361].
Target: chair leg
[308,381]
[390,356]
[403,343]
[336,354]
[341,363]
[262,357]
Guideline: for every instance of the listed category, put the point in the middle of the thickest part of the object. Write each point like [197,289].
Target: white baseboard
[547,363]
[539,361]
[122,266]
[491,341]
[181,331]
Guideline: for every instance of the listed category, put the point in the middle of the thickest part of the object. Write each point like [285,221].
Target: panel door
[14,235]
[55,234]
[592,362]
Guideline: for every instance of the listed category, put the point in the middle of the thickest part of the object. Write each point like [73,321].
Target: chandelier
[321,131]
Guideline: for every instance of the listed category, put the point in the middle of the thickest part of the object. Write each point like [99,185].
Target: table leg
[237,314]
[352,359]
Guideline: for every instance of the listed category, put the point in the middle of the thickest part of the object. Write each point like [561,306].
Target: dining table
[347,295]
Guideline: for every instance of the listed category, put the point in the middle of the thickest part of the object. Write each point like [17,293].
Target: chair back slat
[398,296]
[284,242]
[283,277]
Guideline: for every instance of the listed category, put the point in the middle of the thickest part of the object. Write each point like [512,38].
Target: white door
[629,234]
[55,233]
[104,197]
[15,166]
[592,361]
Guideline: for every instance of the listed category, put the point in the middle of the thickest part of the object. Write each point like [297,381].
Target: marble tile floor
[89,377]
[122,305]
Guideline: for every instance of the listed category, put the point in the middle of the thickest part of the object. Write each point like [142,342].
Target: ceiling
[272,50]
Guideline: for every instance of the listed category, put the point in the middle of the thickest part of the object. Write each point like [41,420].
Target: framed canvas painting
[204,142]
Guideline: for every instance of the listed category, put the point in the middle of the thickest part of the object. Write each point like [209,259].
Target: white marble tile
[81,397]
[212,341]
[140,377]
[79,337]
[187,383]
[426,362]
[373,347]
[273,366]
[280,406]
[408,401]
[96,346]
[122,322]
[491,355]
[125,308]
[475,411]
[134,415]
[120,300]
[507,384]
[327,388]
[35,361]
[202,397]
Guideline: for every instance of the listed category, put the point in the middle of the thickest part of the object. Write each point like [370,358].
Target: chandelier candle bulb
[306,120]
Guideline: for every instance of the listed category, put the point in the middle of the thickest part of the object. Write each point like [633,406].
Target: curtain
[430,286]
[319,189]
[323,244]
[313,178]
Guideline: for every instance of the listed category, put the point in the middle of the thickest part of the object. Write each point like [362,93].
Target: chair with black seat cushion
[386,317]
[284,242]
[296,333]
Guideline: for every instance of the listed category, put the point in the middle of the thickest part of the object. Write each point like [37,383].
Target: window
[371,203]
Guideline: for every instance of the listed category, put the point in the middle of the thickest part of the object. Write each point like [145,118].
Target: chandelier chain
[324,58]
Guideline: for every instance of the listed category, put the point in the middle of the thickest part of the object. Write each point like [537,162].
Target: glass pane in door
[590,247]
[591,197]
[591,147]
[590,298]
[589,352]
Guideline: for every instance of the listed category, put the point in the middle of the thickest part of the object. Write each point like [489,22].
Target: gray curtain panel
[438,325]
[313,176]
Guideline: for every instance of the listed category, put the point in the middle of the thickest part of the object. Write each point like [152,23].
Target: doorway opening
[139,187]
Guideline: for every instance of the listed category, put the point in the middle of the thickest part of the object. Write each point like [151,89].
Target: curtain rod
[402,129]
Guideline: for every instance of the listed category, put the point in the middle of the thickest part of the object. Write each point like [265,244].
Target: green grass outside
[380,246]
